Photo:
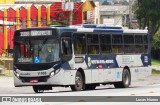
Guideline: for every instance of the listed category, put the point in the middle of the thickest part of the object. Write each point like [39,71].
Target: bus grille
[40,79]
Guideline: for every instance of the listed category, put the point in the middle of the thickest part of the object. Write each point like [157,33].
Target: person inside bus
[52,53]
[49,54]
[46,55]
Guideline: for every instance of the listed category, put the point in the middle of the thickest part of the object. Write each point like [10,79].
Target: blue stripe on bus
[108,30]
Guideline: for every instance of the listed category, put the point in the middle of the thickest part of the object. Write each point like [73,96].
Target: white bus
[81,58]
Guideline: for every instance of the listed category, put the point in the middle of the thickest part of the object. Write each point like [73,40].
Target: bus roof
[103,26]
[136,31]
[81,29]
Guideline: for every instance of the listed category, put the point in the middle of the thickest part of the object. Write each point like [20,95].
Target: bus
[80,58]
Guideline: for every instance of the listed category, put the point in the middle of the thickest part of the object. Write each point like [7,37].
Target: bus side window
[66,46]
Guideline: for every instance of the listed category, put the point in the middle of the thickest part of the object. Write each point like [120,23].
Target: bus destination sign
[36,33]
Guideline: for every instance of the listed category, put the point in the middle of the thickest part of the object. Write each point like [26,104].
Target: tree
[125,2]
[156,45]
[148,14]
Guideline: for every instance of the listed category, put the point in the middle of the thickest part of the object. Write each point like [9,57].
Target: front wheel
[78,82]
[126,80]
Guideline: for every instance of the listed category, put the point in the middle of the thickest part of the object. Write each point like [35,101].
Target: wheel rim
[126,78]
[78,81]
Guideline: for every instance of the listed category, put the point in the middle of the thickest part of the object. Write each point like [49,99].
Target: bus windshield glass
[37,51]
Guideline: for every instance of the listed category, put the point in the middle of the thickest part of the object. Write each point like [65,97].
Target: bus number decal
[42,73]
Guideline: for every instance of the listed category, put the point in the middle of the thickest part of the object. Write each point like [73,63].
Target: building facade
[114,14]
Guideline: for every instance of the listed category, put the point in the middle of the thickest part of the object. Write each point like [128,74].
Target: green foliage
[156,45]
[125,3]
[155,72]
[148,14]
[55,23]
[60,23]
[156,40]
[155,62]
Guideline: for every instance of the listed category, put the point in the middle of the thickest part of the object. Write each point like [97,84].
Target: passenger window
[128,39]
[105,40]
[117,39]
[138,39]
[128,43]
[79,43]
[66,46]
[117,44]
[139,48]
[93,43]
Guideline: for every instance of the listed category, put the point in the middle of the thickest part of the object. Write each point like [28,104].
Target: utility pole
[130,13]
[71,13]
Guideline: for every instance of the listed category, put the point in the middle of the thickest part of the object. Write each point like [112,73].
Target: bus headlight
[54,72]
[16,74]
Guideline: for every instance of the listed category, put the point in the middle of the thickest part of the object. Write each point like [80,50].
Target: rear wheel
[78,82]
[126,80]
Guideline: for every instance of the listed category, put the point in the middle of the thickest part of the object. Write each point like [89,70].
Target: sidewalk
[155,67]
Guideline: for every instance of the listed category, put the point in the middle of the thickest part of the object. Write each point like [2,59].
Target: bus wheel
[126,79]
[78,82]
[37,89]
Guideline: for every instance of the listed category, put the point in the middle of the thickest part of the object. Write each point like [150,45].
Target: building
[114,14]
[7,1]
[16,16]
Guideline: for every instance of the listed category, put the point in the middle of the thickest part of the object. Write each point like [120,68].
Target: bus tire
[126,80]
[78,82]
[37,89]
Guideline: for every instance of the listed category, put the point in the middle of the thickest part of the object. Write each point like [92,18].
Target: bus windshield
[36,51]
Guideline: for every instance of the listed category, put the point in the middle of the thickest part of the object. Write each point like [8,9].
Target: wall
[7,1]
[112,20]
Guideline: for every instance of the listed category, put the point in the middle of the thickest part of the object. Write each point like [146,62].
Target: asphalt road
[149,86]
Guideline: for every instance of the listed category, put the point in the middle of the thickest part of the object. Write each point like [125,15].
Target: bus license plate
[33,81]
